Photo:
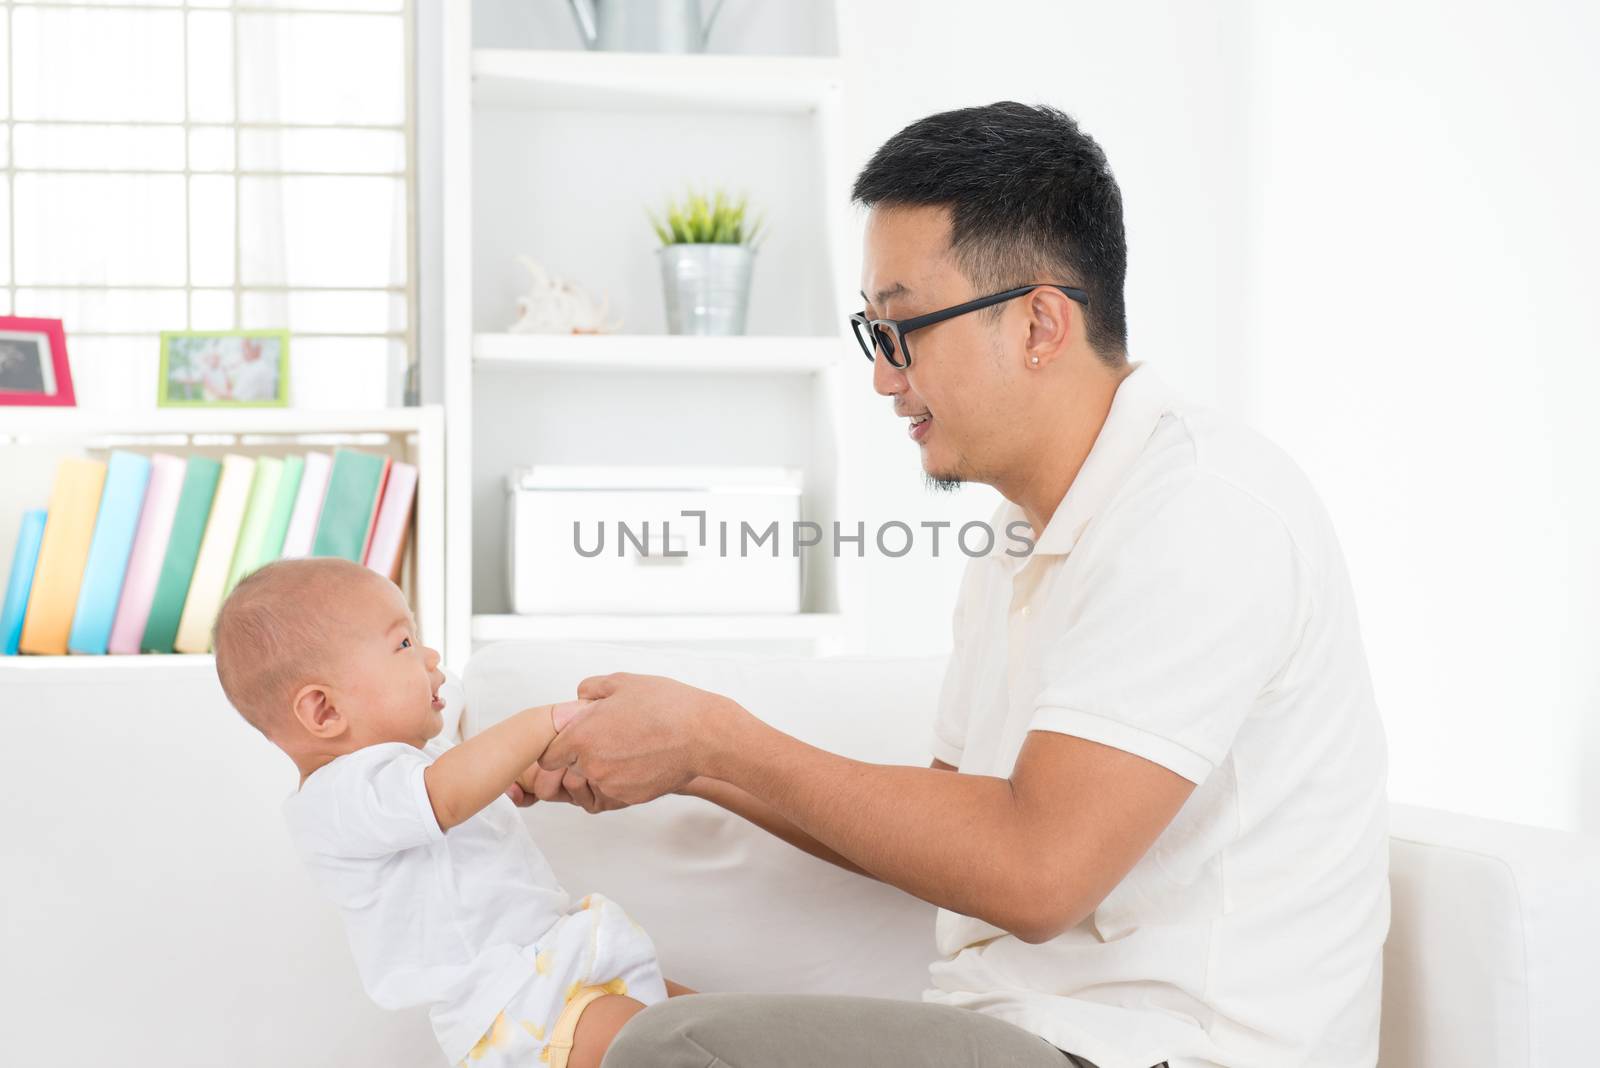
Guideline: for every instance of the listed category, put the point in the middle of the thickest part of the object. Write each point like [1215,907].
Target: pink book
[307,506]
[394,521]
[377,502]
[149,550]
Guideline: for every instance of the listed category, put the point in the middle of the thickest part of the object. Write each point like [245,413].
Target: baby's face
[387,683]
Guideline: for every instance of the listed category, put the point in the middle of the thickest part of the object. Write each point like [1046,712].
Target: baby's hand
[566,712]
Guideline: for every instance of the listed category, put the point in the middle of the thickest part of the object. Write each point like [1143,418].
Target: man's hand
[642,737]
[536,784]
[567,786]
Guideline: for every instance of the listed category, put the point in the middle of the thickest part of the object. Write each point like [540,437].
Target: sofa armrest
[1491,950]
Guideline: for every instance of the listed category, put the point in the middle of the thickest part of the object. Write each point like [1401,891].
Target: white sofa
[153,913]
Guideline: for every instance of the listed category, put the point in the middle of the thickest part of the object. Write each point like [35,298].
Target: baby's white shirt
[450,921]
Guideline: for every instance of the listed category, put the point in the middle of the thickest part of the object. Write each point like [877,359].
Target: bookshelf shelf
[110,667]
[649,353]
[77,423]
[599,81]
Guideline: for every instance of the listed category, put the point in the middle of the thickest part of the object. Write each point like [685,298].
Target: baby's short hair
[271,634]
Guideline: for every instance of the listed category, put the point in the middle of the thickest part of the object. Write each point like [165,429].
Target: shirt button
[1025,610]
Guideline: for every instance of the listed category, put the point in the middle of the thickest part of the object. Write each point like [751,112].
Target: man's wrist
[730,732]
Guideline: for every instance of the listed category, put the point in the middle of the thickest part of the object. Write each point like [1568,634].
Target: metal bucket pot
[707,288]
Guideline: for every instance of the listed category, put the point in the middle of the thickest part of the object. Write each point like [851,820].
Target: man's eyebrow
[897,290]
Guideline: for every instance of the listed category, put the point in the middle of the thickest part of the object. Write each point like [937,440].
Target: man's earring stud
[1035,359]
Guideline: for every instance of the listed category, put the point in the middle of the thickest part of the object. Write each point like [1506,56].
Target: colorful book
[307,506]
[377,502]
[257,514]
[200,477]
[282,508]
[355,486]
[127,477]
[216,555]
[390,531]
[23,561]
[149,549]
[68,532]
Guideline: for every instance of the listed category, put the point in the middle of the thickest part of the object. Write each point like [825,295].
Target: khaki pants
[784,1031]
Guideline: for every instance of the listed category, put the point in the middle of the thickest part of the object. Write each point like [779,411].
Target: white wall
[1160,84]
[1423,339]
[1369,229]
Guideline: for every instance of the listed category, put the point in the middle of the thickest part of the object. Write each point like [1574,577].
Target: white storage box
[616,540]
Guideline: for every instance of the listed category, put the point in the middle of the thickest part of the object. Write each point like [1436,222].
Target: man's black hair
[1031,199]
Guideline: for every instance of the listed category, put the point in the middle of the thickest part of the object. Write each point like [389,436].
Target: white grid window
[205,164]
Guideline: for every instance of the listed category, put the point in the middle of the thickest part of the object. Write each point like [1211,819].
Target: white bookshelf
[555,152]
[32,440]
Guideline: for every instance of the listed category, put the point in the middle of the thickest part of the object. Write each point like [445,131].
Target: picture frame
[224,369]
[33,363]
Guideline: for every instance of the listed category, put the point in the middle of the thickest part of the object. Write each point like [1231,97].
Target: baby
[447,901]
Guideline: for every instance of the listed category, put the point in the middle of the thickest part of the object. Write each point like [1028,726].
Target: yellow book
[68,530]
[216,554]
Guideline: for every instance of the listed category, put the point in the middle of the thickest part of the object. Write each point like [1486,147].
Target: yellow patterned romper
[593,951]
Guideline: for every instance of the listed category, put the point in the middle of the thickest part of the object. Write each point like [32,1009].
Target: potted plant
[707,248]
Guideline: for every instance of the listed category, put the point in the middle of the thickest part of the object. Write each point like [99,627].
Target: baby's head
[322,657]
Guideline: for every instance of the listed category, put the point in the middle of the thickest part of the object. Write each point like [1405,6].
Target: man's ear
[314,708]
[1052,320]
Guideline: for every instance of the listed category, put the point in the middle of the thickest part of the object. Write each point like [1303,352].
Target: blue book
[21,583]
[127,475]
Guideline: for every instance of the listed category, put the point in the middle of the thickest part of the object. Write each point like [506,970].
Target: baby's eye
[405,643]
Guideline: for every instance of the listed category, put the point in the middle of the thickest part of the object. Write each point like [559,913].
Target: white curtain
[203,166]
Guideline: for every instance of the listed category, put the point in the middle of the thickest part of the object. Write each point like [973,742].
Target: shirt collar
[1141,400]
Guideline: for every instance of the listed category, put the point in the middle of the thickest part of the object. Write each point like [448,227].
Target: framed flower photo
[224,369]
[33,362]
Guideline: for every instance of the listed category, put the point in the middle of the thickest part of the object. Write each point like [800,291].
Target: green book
[200,477]
[257,514]
[282,508]
[354,486]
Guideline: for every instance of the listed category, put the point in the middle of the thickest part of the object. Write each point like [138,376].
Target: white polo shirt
[1187,603]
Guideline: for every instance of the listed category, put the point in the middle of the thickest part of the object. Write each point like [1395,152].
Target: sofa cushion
[730,907]
[1490,950]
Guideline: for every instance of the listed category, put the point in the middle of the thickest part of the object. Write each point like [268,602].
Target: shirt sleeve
[377,803]
[955,696]
[1176,629]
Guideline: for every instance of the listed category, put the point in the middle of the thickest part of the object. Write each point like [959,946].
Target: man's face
[955,391]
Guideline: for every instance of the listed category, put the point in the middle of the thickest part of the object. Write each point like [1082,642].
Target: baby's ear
[315,710]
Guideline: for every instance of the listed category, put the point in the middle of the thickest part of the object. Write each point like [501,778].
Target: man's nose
[887,379]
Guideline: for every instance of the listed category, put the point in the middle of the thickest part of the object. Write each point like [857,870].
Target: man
[1155,821]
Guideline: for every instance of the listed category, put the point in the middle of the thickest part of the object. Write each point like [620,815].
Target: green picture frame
[224,369]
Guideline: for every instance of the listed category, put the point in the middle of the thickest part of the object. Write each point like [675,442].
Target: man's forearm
[741,803]
[467,777]
[964,842]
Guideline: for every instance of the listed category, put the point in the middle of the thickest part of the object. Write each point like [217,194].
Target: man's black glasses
[888,336]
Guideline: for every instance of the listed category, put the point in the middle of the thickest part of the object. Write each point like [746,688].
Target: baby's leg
[599,1024]
[602,1018]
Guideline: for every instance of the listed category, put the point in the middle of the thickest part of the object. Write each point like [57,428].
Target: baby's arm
[468,776]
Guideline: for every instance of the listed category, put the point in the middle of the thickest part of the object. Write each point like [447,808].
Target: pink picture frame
[33,363]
